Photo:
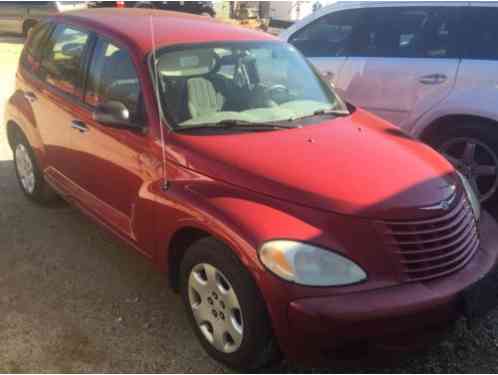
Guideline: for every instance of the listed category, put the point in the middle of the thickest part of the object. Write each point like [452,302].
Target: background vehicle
[430,68]
[20,16]
[193,7]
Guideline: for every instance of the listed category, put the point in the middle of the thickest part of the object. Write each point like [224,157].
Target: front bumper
[319,326]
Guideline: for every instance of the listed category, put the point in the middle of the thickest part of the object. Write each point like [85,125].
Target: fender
[468,102]
[19,111]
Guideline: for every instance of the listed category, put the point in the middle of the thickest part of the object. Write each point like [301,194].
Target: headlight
[472,196]
[306,264]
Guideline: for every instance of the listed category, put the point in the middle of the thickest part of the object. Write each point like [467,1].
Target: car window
[482,33]
[329,36]
[61,63]
[417,32]
[35,46]
[112,76]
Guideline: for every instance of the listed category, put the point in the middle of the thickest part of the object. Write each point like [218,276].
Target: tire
[28,174]
[256,348]
[482,168]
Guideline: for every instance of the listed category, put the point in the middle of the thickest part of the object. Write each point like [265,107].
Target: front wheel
[225,307]
[473,150]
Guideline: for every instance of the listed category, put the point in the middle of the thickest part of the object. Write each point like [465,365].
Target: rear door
[55,94]
[404,60]
[326,42]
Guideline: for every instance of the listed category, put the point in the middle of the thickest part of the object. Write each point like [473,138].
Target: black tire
[42,192]
[258,348]
[479,131]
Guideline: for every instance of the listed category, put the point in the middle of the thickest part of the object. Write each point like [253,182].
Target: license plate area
[480,298]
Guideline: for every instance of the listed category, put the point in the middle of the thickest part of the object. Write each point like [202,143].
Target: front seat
[202,97]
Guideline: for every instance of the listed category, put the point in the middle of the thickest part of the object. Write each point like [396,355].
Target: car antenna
[165,182]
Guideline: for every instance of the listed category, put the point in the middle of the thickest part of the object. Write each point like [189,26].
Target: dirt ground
[72,299]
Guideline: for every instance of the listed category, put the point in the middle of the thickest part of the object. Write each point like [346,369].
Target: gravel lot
[72,299]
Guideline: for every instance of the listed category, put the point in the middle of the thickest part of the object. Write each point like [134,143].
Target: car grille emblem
[443,205]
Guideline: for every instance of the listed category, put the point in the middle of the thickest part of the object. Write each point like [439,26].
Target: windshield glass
[246,82]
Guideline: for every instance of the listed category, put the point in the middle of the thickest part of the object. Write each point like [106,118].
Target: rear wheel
[225,307]
[473,150]
[28,174]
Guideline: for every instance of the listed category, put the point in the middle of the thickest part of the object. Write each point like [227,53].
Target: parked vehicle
[430,68]
[194,7]
[278,211]
[20,16]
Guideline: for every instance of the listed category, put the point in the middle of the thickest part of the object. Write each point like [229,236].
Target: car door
[53,93]
[404,60]
[12,16]
[326,42]
[113,162]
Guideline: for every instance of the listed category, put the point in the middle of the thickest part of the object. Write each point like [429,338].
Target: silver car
[20,16]
[429,67]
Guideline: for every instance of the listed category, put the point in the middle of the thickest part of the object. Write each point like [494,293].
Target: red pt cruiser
[289,221]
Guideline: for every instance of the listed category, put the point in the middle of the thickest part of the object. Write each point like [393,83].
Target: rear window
[417,32]
[30,59]
[61,63]
[482,33]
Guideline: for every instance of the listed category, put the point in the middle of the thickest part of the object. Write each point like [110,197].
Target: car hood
[356,165]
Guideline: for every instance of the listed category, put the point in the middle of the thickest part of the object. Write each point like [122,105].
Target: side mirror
[114,113]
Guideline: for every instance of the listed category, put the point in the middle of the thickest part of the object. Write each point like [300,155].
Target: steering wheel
[277,92]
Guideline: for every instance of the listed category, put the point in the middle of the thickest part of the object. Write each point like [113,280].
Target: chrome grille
[435,247]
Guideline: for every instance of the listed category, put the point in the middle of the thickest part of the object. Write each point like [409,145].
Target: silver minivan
[429,67]
[20,16]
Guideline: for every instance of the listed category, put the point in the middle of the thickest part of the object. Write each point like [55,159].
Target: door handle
[79,125]
[433,79]
[30,97]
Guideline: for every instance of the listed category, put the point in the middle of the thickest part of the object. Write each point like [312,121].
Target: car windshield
[240,83]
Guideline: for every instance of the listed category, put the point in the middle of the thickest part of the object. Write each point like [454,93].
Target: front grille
[435,247]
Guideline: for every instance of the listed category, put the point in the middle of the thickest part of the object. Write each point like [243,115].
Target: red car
[289,221]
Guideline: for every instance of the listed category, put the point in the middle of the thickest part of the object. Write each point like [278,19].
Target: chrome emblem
[443,205]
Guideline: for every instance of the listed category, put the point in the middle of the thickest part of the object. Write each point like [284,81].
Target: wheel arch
[443,124]
[12,129]
[180,241]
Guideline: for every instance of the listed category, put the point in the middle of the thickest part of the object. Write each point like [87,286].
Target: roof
[134,25]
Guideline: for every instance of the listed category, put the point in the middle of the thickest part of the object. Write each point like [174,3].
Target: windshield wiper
[325,112]
[332,112]
[236,124]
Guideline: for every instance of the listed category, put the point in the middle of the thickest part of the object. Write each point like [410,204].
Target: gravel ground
[72,299]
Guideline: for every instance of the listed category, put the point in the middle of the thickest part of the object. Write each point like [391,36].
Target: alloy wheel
[476,161]
[216,308]
[25,170]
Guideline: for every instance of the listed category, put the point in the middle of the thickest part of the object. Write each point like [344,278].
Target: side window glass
[415,32]
[30,59]
[112,76]
[329,36]
[62,60]
[482,36]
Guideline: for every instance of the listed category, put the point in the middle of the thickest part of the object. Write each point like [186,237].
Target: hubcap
[476,161]
[24,167]
[216,308]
